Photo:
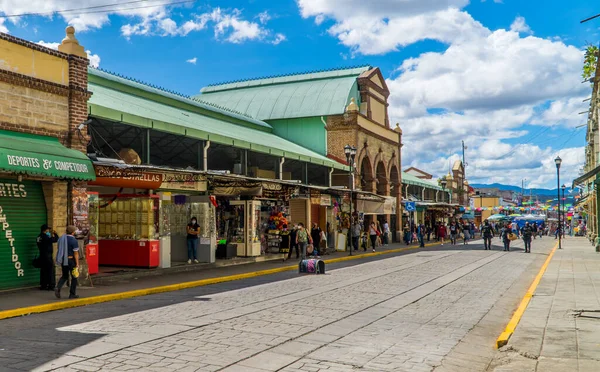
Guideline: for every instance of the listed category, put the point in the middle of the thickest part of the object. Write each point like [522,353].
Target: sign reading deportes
[22,212]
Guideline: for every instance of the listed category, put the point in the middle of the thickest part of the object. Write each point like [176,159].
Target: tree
[590,62]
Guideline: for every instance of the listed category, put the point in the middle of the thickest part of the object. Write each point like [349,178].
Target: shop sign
[109,176]
[8,234]
[325,200]
[80,210]
[182,181]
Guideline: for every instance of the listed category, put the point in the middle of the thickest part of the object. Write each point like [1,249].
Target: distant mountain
[551,192]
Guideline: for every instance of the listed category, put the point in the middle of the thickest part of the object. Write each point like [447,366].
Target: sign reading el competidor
[45,164]
[22,212]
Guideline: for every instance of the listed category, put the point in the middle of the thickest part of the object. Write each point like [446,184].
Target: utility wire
[589,19]
[90,10]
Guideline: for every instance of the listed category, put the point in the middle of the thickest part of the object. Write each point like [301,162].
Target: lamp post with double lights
[563,210]
[558,161]
[350,152]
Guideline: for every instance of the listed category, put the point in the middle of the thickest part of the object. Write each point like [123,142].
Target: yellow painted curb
[176,287]
[516,318]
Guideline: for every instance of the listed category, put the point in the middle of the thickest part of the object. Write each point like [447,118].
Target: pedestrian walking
[466,231]
[45,240]
[193,232]
[453,232]
[421,235]
[534,229]
[386,233]
[505,236]
[356,229]
[373,234]
[527,233]
[488,233]
[442,232]
[293,243]
[303,238]
[315,234]
[406,234]
[67,258]
[429,230]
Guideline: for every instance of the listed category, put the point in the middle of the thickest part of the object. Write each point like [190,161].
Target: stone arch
[381,178]
[366,174]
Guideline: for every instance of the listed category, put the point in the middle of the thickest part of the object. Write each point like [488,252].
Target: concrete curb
[177,287]
[518,314]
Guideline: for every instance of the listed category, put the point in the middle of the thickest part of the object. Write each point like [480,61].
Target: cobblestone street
[403,313]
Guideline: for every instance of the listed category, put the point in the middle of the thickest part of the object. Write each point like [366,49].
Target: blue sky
[502,76]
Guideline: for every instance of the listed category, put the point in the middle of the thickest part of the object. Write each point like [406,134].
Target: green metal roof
[121,105]
[284,97]
[105,78]
[409,179]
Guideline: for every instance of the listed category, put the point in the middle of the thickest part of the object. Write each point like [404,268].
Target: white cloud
[2,26]
[264,17]
[228,25]
[278,39]
[519,25]
[482,89]
[94,58]
[381,26]
[94,19]
[192,60]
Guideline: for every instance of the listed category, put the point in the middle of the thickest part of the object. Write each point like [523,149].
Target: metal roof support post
[281,161]
[423,194]
[205,155]
[436,195]
[330,176]
[406,192]
[245,162]
[147,146]
[306,173]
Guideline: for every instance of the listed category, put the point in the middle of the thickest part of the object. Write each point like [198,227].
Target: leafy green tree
[590,62]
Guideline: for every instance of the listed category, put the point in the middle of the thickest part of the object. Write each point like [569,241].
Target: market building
[588,183]
[432,202]
[43,97]
[161,158]
[325,111]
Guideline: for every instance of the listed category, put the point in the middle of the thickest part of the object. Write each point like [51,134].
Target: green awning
[44,156]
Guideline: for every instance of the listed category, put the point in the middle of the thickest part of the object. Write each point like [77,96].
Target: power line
[589,19]
[90,10]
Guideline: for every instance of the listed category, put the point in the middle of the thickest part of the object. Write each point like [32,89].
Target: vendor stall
[127,230]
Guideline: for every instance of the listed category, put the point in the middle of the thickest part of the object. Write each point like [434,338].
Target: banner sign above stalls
[131,178]
[184,181]
[325,200]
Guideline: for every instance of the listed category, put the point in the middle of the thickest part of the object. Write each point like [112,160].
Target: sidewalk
[193,273]
[560,329]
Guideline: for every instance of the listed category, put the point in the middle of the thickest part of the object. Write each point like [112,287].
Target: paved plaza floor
[439,309]
[560,330]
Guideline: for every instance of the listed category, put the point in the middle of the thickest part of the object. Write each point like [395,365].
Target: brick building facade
[43,100]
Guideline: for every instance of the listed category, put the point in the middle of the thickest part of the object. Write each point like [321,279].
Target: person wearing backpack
[527,233]
[453,232]
[488,233]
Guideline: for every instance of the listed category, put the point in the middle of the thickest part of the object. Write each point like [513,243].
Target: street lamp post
[350,152]
[444,182]
[558,161]
[564,216]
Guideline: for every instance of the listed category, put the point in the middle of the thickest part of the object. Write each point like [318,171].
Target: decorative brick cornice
[35,83]
[60,134]
[34,46]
